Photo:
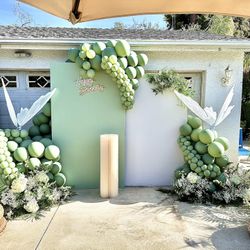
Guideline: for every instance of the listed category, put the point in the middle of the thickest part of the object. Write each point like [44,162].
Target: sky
[40,18]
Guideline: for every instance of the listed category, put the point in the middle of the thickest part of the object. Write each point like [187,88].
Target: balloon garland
[203,151]
[117,59]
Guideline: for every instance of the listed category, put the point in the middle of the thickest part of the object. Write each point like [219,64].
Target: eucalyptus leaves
[169,80]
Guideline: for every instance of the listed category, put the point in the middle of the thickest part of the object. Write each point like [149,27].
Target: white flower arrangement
[42,177]
[33,190]
[31,206]
[40,193]
[193,177]
[236,179]
[1,211]
[236,188]
[8,198]
[31,193]
[31,182]
[19,185]
[28,195]
[246,196]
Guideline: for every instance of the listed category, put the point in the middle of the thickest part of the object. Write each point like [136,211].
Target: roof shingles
[14,32]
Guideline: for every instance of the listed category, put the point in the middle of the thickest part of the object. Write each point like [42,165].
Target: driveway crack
[46,229]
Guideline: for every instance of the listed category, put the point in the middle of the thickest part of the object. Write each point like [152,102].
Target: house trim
[145,45]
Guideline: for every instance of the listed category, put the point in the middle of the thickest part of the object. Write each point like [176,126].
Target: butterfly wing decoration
[26,114]
[207,114]
[10,107]
[212,115]
[21,115]
[225,109]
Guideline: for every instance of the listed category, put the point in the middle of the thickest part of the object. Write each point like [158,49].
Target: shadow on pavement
[231,239]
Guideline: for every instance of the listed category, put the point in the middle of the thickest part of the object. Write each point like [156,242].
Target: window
[195,83]
[39,81]
[10,81]
[190,81]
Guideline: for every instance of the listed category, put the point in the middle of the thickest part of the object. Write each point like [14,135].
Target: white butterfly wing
[21,115]
[211,114]
[9,104]
[26,114]
[196,108]
[225,109]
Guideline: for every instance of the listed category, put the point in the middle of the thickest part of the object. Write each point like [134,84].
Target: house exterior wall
[152,125]
[40,59]
[152,128]
[212,65]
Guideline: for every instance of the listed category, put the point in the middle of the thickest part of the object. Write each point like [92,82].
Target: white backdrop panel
[152,128]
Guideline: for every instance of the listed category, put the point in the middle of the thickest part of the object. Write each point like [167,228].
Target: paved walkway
[140,218]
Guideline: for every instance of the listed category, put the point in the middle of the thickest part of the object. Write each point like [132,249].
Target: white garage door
[24,87]
[152,153]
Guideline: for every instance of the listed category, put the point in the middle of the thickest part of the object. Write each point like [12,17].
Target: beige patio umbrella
[84,10]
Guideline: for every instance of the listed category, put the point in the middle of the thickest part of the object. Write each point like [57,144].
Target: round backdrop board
[3,223]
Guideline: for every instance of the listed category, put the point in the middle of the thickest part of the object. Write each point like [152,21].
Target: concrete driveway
[140,218]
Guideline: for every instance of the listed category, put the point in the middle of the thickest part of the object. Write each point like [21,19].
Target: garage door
[152,153]
[24,87]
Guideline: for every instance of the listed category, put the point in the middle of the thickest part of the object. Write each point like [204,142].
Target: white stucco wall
[40,59]
[212,65]
[152,125]
[152,154]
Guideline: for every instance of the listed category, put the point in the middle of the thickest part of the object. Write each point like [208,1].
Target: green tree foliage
[119,26]
[245,110]
[141,25]
[181,21]
[242,27]
[221,25]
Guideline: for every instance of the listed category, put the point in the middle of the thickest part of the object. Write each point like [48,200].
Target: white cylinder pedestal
[109,174]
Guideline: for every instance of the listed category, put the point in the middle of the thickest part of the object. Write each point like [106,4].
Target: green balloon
[33,163]
[52,152]
[56,168]
[47,109]
[60,179]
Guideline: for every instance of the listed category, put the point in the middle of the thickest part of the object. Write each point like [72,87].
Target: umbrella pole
[75,15]
[75,9]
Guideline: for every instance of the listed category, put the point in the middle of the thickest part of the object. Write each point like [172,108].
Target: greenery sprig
[169,80]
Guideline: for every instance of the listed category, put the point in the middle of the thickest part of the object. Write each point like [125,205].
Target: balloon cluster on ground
[23,151]
[117,59]
[41,124]
[203,150]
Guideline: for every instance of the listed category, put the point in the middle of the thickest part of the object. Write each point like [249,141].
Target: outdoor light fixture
[22,54]
[226,80]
